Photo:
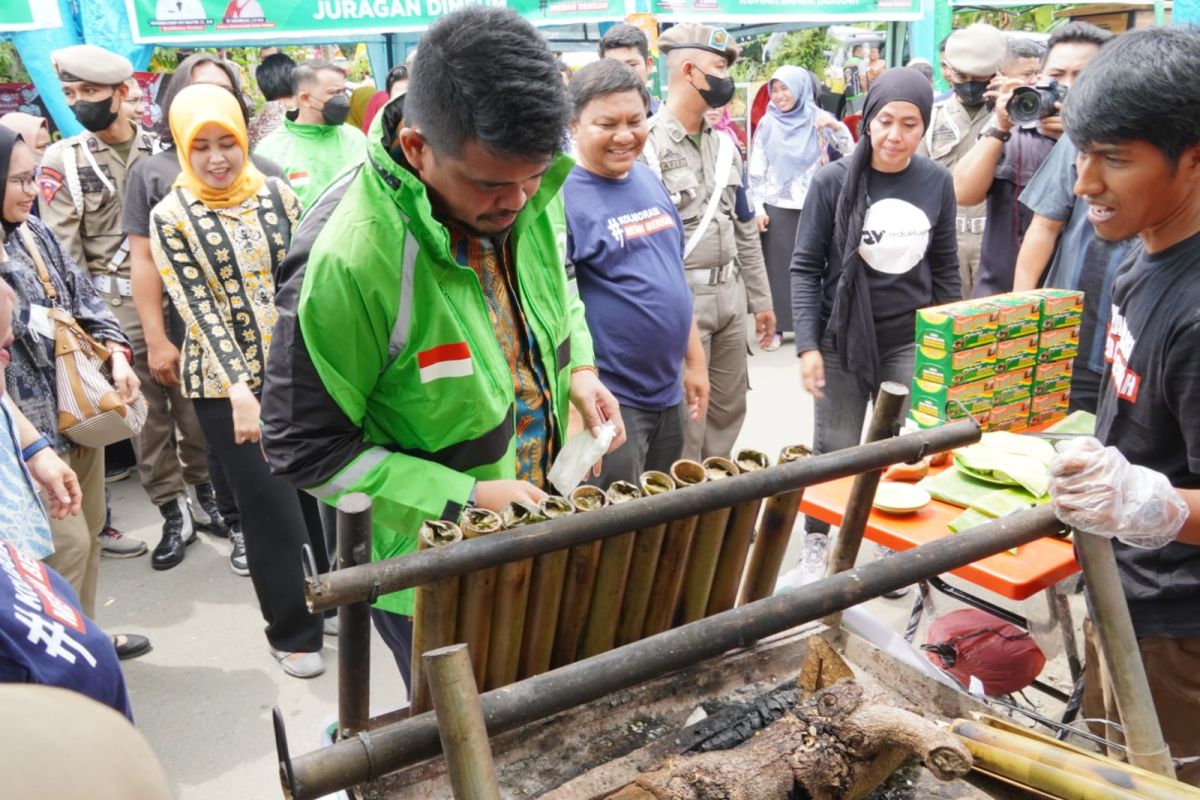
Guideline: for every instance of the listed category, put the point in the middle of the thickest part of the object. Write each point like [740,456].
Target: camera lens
[1025,105]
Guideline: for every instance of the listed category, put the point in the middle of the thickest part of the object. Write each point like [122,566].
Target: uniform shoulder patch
[49,182]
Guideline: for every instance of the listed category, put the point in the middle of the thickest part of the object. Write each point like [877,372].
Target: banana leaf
[997,466]
[955,487]
[1081,422]
[1003,502]
[968,519]
[1019,445]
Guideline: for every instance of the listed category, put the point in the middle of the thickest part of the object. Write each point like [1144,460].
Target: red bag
[970,642]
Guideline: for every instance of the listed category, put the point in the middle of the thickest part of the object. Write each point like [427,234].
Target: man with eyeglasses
[313,147]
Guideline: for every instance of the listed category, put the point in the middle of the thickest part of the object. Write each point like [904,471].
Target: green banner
[28,15]
[198,22]
[766,11]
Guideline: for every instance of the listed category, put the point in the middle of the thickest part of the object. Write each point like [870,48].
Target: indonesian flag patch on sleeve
[298,178]
[445,361]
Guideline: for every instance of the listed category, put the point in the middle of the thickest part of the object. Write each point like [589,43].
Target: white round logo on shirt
[895,236]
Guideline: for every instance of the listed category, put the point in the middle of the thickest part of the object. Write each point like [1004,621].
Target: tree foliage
[803,48]
[11,68]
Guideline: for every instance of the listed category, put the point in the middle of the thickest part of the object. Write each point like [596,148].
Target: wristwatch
[997,134]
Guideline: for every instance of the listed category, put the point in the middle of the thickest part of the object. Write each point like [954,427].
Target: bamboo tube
[1060,755]
[461,728]
[1059,783]
[435,611]
[736,546]
[706,546]
[475,593]
[580,578]
[779,517]
[545,598]
[604,612]
[667,588]
[508,604]
[647,544]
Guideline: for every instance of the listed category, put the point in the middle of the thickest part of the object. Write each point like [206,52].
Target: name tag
[674,163]
[40,322]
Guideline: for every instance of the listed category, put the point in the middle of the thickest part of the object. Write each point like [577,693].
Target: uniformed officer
[973,57]
[82,185]
[723,255]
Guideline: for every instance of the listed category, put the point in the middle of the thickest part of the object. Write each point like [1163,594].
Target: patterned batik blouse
[219,266]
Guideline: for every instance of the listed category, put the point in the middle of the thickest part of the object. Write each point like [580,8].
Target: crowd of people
[413,293]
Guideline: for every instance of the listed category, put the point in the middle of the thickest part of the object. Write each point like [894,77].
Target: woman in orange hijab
[218,240]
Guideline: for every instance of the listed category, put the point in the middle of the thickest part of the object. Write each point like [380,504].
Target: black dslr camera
[1031,103]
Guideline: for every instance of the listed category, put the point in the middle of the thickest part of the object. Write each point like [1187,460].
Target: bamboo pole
[604,612]
[1122,660]
[509,603]
[1051,781]
[779,517]
[736,546]
[580,579]
[706,546]
[1060,755]
[461,728]
[354,620]
[545,598]
[647,544]
[667,588]
[475,593]
[435,612]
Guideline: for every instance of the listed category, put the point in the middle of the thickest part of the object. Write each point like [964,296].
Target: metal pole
[390,747]
[1118,648]
[460,724]
[382,577]
[885,424]
[354,620]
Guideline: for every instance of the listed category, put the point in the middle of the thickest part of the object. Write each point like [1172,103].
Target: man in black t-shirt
[1139,172]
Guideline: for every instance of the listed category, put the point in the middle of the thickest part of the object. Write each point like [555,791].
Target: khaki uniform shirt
[82,184]
[689,173]
[951,135]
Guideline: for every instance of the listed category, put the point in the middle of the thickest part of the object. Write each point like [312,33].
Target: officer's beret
[87,62]
[976,50]
[700,37]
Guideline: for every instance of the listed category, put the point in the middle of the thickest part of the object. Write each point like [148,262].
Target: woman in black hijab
[876,242]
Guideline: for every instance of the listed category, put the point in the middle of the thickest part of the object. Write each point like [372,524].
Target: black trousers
[277,521]
[396,631]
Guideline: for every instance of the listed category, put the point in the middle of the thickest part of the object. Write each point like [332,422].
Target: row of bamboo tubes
[525,617]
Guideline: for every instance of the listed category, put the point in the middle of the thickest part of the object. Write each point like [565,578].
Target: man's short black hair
[858,48]
[274,76]
[1016,47]
[601,78]
[625,35]
[485,74]
[396,73]
[923,67]
[1082,32]
[306,72]
[1142,86]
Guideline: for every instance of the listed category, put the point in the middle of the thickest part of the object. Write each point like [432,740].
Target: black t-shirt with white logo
[1150,411]
[908,243]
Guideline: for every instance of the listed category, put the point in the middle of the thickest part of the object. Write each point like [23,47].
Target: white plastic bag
[581,452]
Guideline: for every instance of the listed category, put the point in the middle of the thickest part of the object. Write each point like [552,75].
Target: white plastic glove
[1094,489]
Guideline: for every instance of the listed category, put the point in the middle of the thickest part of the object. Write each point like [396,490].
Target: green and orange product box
[1018,315]
[1010,416]
[1016,354]
[1052,376]
[963,325]
[1061,308]
[1045,408]
[1059,344]
[951,368]
[951,402]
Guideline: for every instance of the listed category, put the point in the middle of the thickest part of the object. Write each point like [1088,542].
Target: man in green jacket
[315,147]
[427,343]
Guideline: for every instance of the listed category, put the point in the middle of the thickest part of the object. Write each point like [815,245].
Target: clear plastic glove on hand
[1094,489]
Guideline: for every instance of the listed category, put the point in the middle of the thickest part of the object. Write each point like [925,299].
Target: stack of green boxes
[1005,360]
[1058,344]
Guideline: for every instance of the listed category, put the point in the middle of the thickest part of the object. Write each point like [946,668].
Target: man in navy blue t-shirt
[625,240]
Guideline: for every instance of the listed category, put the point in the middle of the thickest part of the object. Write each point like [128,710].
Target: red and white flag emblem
[298,178]
[445,361]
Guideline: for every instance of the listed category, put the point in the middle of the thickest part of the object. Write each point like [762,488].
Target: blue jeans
[840,414]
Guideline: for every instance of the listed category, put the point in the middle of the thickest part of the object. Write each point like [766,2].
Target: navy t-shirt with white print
[625,239]
[46,639]
[1150,411]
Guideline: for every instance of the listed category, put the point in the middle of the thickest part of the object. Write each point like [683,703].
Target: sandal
[776,341]
[130,645]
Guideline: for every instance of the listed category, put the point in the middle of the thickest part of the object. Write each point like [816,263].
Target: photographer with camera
[1025,126]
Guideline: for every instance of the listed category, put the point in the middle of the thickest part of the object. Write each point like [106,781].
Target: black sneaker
[116,474]
[237,556]
[177,533]
[205,511]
